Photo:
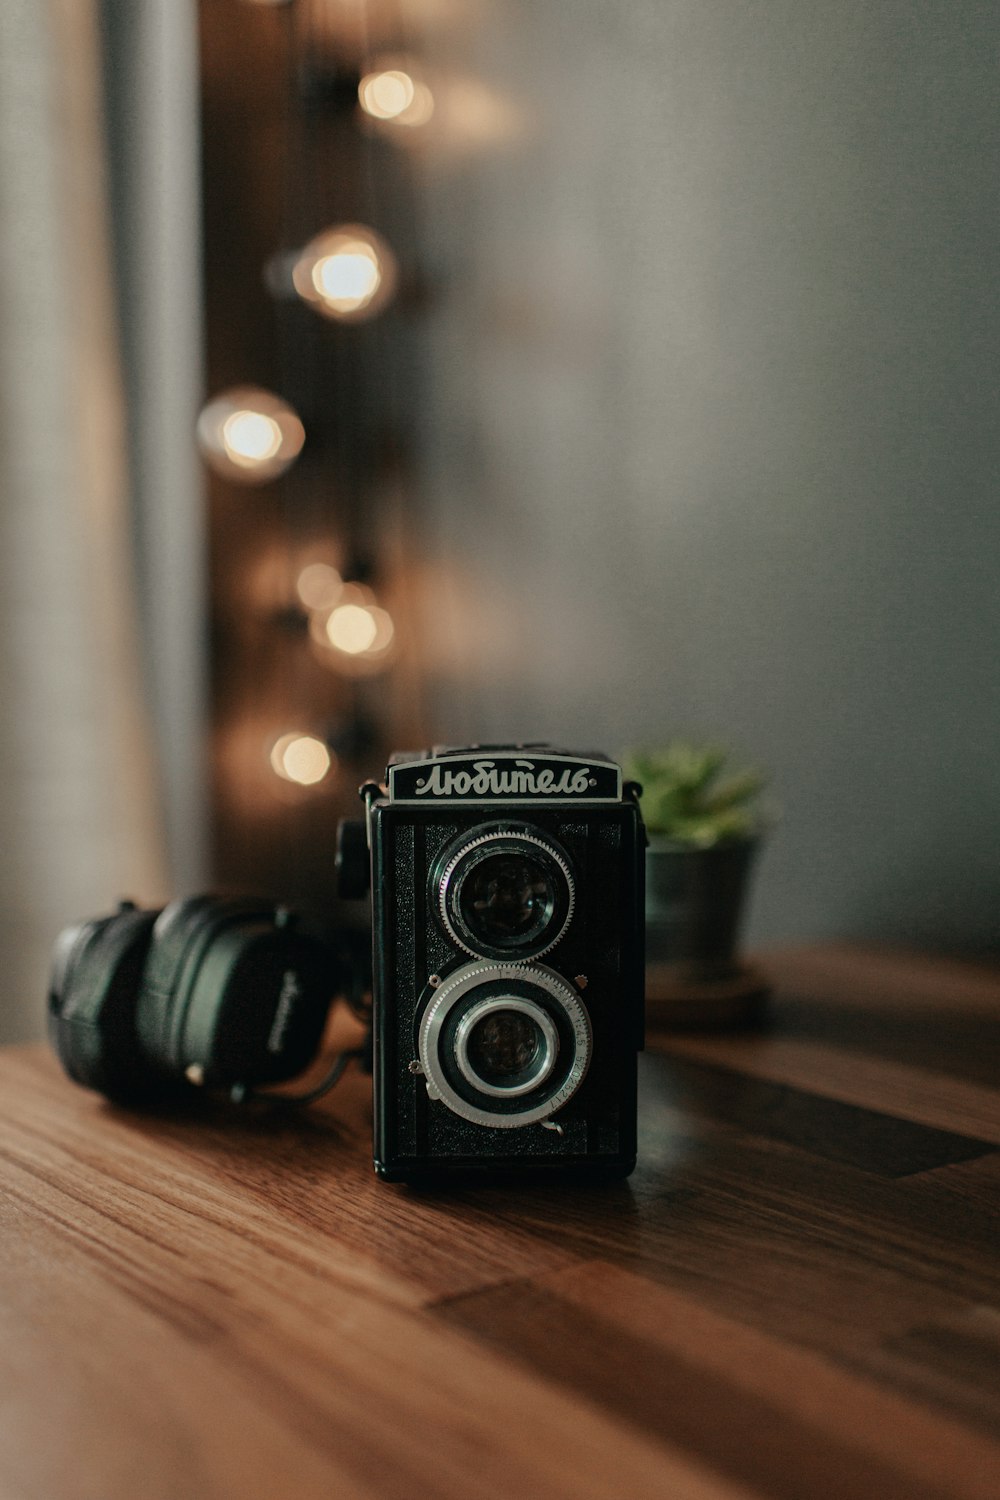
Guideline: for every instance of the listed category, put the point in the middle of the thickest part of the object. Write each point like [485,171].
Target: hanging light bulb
[351,628]
[347,273]
[383,636]
[349,594]
[392,94]
[301,758]
[355,635]
[319,586]
[249,434]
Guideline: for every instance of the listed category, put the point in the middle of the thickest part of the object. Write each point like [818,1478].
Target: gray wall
[710,395]
[151,108]
[79,821]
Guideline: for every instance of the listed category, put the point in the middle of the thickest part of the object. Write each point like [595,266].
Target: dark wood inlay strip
[829,1128]
[728,1428]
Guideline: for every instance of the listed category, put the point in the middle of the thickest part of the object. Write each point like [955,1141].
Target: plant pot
[695,900]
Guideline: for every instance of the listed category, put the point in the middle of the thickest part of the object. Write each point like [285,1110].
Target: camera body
[507,894]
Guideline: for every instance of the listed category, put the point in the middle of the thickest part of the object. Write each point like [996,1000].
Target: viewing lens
[507,898]
[502,1045]
[504,892]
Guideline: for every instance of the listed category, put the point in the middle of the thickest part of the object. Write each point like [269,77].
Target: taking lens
[502,1045]
[506,1045]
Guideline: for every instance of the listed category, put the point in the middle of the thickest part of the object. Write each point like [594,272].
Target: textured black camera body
[507,890]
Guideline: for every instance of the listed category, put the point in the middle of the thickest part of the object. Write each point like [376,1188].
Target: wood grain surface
[796,1295]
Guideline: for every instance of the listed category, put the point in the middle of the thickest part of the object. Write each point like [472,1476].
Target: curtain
[80,822]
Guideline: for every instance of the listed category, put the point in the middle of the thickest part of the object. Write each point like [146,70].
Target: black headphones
[210,992]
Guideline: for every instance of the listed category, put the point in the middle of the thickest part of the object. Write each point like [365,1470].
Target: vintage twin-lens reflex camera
[507,888]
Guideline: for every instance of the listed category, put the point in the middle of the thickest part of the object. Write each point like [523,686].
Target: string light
[249,434]
[351,628]
[384,633]
[347,273]
[301,758]
[356,635]
[349,593]
[392,95]
[250,438]
[319,586]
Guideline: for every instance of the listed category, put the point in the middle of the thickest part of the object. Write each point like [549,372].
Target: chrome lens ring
[470,856]
[537,1069]
[566,1065]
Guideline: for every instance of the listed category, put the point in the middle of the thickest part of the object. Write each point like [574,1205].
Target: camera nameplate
[505,776]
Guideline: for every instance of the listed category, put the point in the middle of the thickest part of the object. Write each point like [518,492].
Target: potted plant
[704,825]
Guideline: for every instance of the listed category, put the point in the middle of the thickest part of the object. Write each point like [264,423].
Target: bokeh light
[351,628]
[350,593]
[300,758]
[384,632]
[250,438]
[319,586]
[347,273]
[249,434]
[355,636]
[391,94]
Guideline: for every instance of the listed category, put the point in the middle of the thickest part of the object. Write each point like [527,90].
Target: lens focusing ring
[562,1008]
[503,841]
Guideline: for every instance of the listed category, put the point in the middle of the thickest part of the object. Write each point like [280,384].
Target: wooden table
[798,1293]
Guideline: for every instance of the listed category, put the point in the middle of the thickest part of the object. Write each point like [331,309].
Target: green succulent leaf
[685,798]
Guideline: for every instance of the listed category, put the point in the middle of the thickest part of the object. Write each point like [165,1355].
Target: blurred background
[375,373]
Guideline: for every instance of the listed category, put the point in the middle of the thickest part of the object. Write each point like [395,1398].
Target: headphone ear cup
[232,994]
[177,925]
[259,1002]
[96,973]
